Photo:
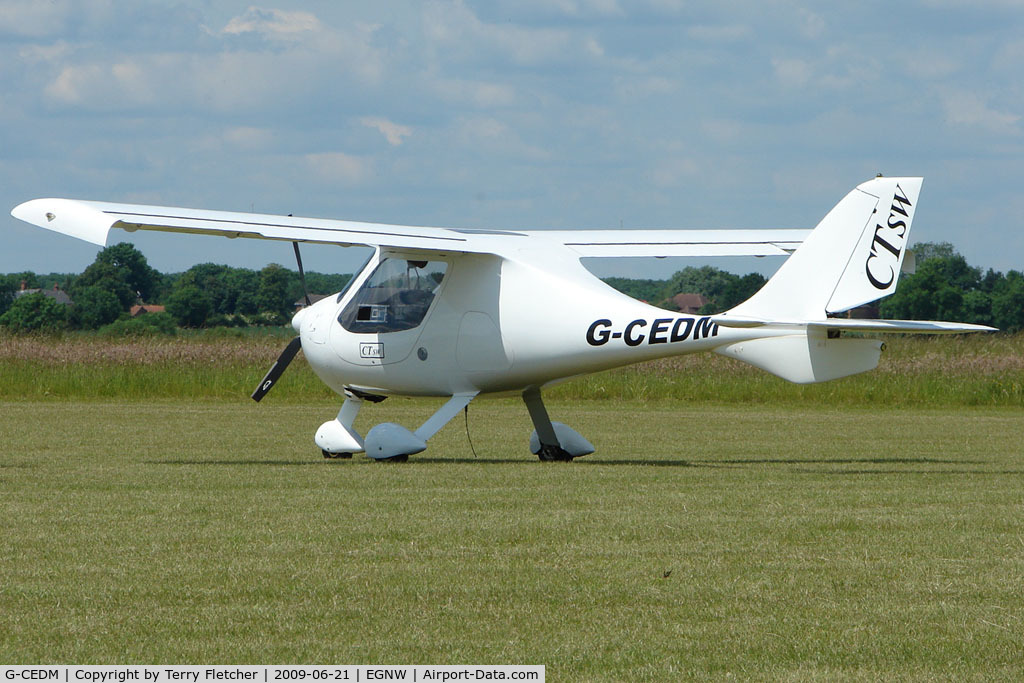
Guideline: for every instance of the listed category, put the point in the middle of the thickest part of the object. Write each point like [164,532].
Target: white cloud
[496,137]
[839,68]
[457,34]
[34,19]
[632,87]
[812,25]
[483,128]
[226,80]
[931,65]
[580,8]
[545,100]
[248,137]
[673,172]
[393,132]
[792,73]
[476,93]
[273,23]
[719,34]
[72,82]
[45,54]
[968,109]
[338,167]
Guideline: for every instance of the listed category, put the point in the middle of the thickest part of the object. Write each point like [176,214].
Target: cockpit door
[381,321]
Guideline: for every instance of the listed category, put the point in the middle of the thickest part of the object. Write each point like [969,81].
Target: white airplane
[460,313]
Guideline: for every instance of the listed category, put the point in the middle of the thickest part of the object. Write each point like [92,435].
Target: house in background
[689,303]
[57,294]
[313,298]
[142,309]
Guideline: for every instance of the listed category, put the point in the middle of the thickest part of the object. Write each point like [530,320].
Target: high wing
[611,243]
[92,221]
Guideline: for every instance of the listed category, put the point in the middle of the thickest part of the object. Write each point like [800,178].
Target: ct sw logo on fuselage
[371,350]
[657,331]
[888,243]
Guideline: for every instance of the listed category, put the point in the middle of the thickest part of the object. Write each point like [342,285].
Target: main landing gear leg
[552,441]
[337,438]
[395,443]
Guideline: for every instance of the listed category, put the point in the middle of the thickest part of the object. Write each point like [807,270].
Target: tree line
[944,287]
[205,295]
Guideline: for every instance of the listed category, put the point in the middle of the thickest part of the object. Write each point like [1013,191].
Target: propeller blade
[277,368]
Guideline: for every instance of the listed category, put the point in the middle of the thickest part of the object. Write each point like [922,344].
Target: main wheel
[553,454]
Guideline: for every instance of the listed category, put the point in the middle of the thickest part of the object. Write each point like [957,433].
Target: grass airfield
[792,542]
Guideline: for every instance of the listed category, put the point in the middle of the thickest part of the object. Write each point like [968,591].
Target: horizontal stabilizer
[856,325]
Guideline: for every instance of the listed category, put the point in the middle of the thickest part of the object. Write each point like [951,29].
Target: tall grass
[82,367]
[921,371]
[914,370]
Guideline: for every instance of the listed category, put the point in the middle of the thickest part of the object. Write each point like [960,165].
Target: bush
[94,307]
[35,313]
[189,306]
[147,325]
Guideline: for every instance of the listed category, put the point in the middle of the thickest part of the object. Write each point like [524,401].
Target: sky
[509,114]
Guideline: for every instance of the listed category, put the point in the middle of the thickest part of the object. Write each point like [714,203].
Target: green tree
[925,251]
[34,313]
[739,290]
[944,287]
[212,279]
[189,306]
[106,276]
[651,291]
[133,267]
[244,283]
[94,307]
[272,295]
[326,283]
[122,270]
[8,286]
[30,279]
[1008,303]
[723,289]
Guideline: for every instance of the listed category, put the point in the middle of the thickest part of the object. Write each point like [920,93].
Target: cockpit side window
[395,297]
[355,274]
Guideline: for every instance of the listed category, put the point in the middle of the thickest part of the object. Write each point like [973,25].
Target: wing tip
[66,216]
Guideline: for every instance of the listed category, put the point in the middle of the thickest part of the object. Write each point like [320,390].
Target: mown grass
[730,524]
[982,370]
[700,541]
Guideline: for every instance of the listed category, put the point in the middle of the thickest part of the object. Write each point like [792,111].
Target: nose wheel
[336,456]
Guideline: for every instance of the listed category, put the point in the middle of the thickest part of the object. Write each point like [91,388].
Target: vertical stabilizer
[852,257]
[877,260]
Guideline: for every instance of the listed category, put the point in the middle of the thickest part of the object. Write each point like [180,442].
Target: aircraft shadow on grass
[736,463]
[845,461]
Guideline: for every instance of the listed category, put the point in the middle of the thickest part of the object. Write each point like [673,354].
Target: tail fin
[852,257]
